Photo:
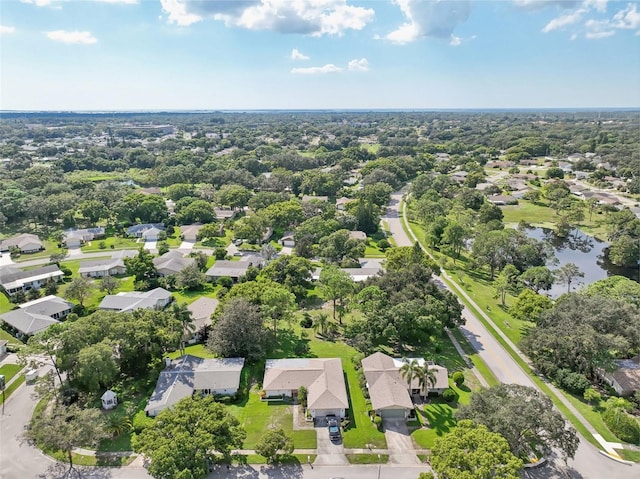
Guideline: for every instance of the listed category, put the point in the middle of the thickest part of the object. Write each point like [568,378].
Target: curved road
[589,463]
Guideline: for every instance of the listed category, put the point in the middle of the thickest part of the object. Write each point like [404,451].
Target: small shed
[109,399]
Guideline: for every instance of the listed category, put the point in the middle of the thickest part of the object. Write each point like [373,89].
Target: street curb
[621,461]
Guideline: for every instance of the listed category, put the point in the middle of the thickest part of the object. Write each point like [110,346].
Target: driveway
[329,453]
[399,442]
[152,246]
[186,246]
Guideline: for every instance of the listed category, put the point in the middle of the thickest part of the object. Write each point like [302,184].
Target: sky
[318,54]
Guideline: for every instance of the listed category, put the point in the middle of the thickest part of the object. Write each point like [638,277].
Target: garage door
[327,412]
[392,413]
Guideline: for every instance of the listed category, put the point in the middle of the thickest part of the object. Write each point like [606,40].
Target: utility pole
[379,465]
[2,384]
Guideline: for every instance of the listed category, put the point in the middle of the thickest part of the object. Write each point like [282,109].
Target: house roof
[188,374]
[323,378]
[201,311]
[108,394]
[100,265]
[135,229]
[233,269]
[190,230]
[35,316]
[307,198]
[152,231]
[628,375]
[20,241]
[130,301]
[172,262]
[84,233]
[358,235]
[11,278]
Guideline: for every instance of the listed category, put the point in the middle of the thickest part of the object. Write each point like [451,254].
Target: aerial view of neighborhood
[335,239]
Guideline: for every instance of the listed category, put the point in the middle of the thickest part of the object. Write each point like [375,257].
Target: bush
[458,378]
[306,322]
[225,282]
[65,271]
[102,245]
[575,383]
[622,425]
[377,420]
[592,396]
[383,244]
[141,421]
[449,395]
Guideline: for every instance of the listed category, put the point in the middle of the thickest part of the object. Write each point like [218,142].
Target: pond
[586,252]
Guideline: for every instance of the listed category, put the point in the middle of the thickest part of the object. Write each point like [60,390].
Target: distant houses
[148,231]
[102,268]
[73,238]
[232,269]
[188,375]
[157,299]
[190,232]
[13,280]
[37,315]
[172,262]
[25,243]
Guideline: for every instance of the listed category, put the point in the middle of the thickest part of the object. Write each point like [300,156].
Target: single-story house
[322,377]
[172,262]
[500,164]
[224,213]
[232,269]
[188,375]
[502,200]
[190,232]
[152,234]
[389,391]
[606,199]
[73,238]
[459,176]
[13,279]
[153,190]
[341,202]
[308,198]
[100,268]
[358,235]
[201,310]
[139,230]
[157,298]
[37,315]
[368,268]
[626,379]
[26,243]
[266,237]
[288,239]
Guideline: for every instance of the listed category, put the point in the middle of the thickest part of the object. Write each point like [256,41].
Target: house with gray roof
[157,299]
[390,393]
[322,377]
[201,310]
[190,232]
[26,243]
[188,375]
[139,230]
[102,267]
[37,315]
[13,279]
[73,238]
[172,262]
[626,378]
[232,269]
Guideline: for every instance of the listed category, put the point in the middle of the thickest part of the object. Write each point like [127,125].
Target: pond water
[586,252]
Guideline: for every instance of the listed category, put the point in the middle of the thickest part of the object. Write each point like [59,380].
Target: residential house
[37,315]
[73,238]
[172,262]
[190,232]
[358,235]
[528,162]
[231,269]
[187,375]
[502,200]
[308,198]
[101,268]
[157,298]
[626,379]
[26,243]
[153,190]
[201,311]
[322,377]
[390,393]
[224,213]
[459,176]
[13,279]
[288,239]
[565,166]
[341,202]
[500,164]
[139,230]
[368,268]
[152,234]
[266,237]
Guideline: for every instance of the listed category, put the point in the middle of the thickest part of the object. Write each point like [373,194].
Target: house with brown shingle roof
[626,379]
[322,377]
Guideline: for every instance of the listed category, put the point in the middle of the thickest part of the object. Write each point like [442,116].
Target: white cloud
[541,4]
[310,17]
[599,34]
[564,21]
[38,3]
[597,29]
[128,2]
[361,65]
[455,41]
[599,5]
[69,37]
[436,19]
[328,68]
[298,55]
[628,19]
[5,29]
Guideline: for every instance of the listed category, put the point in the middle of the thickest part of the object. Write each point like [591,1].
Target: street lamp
[379,466]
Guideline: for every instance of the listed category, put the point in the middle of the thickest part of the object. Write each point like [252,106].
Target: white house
[172,262]
[73,238]
[109,400]
[26,243]
[139,230]
[288,239]
[102,268]
[626,379]
[37,315]
[157,298]
[13,279]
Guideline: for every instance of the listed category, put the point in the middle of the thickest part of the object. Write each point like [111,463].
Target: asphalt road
[588,463]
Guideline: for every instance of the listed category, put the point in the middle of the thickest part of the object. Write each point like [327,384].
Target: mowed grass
[5,306]
[197,350]
[111,243]
[9,371]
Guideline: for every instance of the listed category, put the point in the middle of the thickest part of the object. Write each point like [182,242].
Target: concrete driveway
[329,453]
[399,442]
[186,246]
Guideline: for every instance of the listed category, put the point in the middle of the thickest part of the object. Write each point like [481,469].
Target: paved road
[588,463]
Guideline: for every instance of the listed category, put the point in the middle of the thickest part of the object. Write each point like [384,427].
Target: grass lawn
[475,358]
[8,337]
[291,459]
[9,370]
[592,415]
[111,243]
[209,290]
[198,350]
[367,458]
[5,305]
[12,387]
[629,455]
[373,252]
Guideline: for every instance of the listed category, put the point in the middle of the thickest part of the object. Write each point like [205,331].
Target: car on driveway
[334,428]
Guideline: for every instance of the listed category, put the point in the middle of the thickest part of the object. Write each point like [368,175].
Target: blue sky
[316,54]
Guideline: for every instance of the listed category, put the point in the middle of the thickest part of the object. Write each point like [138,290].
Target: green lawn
[12,387]
[367,458]
[209,290]
[292,459]
[475,358]
[8,337]
[111,243]
[5,305]
[592,415]
[9,371]
[198,350]
[629,455]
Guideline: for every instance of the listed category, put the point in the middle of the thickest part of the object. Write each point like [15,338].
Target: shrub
[458,378]
[377,420]
[575,383]
[622,425]
[592,396]
[65,271]
[306,321]
[141,421]
[383,244]
[449,395]
[102,245]
[225,282]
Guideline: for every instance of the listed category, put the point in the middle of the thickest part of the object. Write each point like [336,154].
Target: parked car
[334,428]
[237,242]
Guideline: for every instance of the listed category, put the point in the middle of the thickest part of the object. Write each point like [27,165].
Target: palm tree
[181,313]
[427,378]
[321,324]
[409,370]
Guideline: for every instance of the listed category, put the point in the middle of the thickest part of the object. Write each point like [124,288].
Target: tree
[277,303]
[401,258]
[525,417]
[454,236]
[183,316]
[66,427]
[427,378]
[97,366]
[109,284]
[339,247]
[141,265]
[625,251]
[335,285]
[234,196]
[191,278]
[79,289]
[50,286]
[567,273]
[268,252]
[197,211]
[292,272]
[188,437]
[537,278]
[409,371]
[529,305]
[251,228]
[272,443]
[616,287]
[506,282]
[471,451]
[239,331]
